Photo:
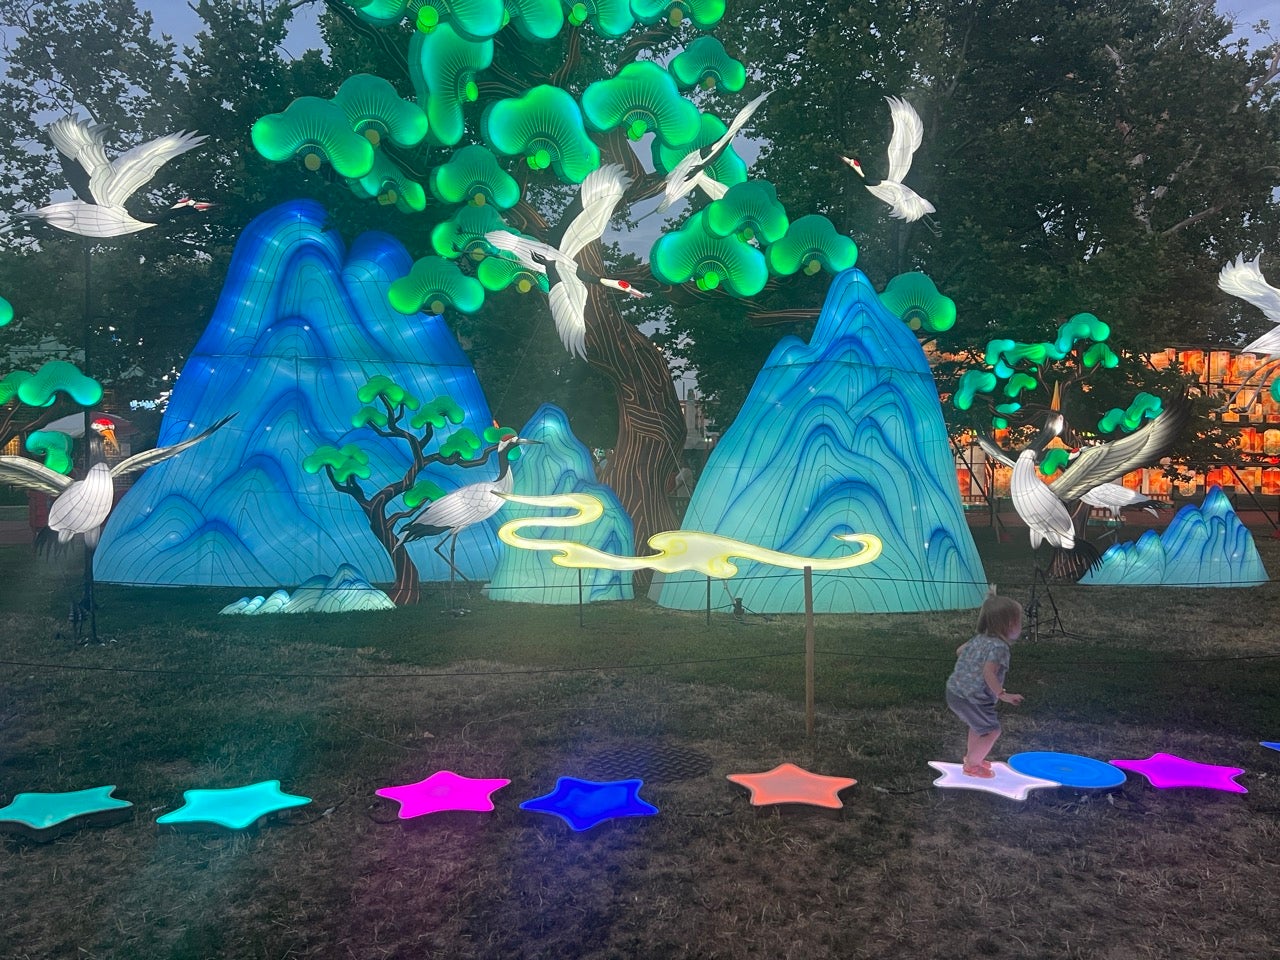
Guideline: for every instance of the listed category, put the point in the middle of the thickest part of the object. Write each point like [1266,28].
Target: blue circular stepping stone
[1068,769]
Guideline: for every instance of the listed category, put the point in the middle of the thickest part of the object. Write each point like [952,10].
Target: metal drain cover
[648,762]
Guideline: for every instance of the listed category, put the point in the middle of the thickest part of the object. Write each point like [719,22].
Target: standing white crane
[82,505]
[103,186]
[908,133]
[601,191]
[1245,280]
[687,174]
[464,507]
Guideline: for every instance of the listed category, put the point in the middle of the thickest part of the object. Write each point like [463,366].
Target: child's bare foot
[981,770]
[986,764]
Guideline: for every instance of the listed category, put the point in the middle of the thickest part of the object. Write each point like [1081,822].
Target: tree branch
[1270,73]
[1195,218]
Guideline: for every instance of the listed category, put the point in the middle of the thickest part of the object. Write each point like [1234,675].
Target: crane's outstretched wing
[712,188]
[568,300]
[994,450]
[140,461]
[1268,344]
[680,180]
[133,168]
[908,132]
[35,476]
[904,203]
[1114,497]
[601,191]
[531,253]
[1109,461]
[737,123]
[1244,280]
[687,174]
[80,144]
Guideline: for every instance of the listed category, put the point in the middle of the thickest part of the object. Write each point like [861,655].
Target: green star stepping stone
[234,808]
[44,816]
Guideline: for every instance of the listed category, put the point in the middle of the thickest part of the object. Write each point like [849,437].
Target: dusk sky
[177,19]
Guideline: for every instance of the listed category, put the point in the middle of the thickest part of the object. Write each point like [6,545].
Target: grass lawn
[335,707]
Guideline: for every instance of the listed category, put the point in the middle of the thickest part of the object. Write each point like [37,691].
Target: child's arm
[960,648]
[992,679]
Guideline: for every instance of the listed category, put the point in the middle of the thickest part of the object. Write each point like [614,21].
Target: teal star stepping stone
[234,808]
[44,816]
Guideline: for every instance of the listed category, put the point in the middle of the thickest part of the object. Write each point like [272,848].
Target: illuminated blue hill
[347,591]
[1205,546]
[843,434]
[560,464]
[300,326]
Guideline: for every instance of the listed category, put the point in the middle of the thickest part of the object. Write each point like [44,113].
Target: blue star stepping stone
[583,804]
[1068,769]
[44,816]
[234,808]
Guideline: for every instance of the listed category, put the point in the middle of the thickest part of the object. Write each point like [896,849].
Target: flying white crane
[1043,506]
[1245,280]
[82,505]
[103,186]
[908,132]
[600,192]
[687,174]
[464,507]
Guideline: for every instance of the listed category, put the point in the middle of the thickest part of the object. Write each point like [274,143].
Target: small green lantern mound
[58,376]
[472,175]
[750,210]
[545,127]
[443,67]
[641,99]
[376,112]
[704,62]
[610,18]
[811,244]
[432,285]
[704,13]
[316,132]
[915,298]
[694,254]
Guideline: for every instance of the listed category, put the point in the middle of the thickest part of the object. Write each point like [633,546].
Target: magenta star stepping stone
[1166,771]
[443,790]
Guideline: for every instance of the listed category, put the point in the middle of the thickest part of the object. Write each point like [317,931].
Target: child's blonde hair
[999,616]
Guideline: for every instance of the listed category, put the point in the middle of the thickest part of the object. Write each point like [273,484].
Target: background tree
[1106,158]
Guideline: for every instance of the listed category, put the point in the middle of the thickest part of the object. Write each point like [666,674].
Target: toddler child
[977,682]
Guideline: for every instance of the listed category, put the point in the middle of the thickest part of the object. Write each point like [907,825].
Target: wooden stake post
[808,651]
